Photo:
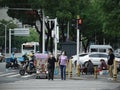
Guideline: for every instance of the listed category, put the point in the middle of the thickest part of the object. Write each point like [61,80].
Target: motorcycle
[12,63]
[28,67]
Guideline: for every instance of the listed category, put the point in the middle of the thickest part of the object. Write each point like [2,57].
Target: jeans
[63,72]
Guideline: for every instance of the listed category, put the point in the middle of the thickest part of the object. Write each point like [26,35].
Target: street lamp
[5,25]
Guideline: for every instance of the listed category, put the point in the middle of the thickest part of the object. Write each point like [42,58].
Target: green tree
[110,18]
[100,17]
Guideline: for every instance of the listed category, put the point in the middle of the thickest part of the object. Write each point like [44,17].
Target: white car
[74,57]
[94,57]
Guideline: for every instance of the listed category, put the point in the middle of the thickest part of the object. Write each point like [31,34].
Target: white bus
[29,46]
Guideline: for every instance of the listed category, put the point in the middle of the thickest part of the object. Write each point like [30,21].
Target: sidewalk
[90,77]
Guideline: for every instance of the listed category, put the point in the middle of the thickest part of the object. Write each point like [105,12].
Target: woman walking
[63,62]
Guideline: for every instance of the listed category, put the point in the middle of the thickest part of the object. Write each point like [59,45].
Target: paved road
[11,80]
[57,84]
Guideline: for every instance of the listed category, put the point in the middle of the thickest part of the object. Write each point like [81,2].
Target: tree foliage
[100,17]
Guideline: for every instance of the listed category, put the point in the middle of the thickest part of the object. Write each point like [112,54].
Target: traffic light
[80,21]
[77,23]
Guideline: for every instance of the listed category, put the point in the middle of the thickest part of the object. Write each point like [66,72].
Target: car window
[103,55]
[94,50]
[94,55]
[102,50]
[82,55]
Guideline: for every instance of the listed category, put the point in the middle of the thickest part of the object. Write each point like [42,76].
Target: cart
[41,66]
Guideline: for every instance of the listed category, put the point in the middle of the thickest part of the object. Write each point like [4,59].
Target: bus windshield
[30,46]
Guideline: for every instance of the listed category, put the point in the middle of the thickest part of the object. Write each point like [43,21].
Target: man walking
[51,66]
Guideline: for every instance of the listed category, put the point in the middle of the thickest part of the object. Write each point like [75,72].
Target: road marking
[27,75]
[1,72]
[7,74]
[14,75]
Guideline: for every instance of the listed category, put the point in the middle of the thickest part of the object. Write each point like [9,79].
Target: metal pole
[5,38]
[81,44]
[43,35]
[5,25]
[10,41]
[56,38]
[78,43]
[68,31]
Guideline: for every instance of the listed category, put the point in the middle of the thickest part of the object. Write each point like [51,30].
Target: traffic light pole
[43,33]
[78,44]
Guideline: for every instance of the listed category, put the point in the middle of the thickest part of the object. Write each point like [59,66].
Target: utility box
[69,47]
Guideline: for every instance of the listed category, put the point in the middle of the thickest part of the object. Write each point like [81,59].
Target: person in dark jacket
[51,66]
[111,58]
[90,67]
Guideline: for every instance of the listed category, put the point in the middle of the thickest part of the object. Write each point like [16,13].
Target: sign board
[41,65]
[21,31]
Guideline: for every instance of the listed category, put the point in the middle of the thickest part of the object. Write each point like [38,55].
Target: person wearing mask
[63,60]
[51,66]
[111,58]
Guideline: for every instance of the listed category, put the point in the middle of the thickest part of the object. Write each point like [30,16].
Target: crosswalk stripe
[7,74]
[14,75]
[27,75]
[1,73]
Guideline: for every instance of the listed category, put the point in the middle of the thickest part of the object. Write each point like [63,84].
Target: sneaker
[110,78]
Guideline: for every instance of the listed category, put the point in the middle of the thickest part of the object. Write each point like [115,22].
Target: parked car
[74,57]
[94,57]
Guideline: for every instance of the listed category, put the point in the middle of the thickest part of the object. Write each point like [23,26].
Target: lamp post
[5,25]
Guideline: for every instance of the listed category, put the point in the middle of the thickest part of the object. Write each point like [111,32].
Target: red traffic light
[80,21]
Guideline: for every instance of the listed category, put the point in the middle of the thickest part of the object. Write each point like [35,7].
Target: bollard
[115,71]
[95,72]
[78,69]
[70,63]
[67,70]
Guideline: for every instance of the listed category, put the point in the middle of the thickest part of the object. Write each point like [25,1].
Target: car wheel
[85,64]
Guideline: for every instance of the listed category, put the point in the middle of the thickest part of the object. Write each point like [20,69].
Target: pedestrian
[51,66]
[90,67]
[63,60]
[103,65]
[111,58]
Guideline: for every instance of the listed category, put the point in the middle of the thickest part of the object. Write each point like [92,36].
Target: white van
[99,48]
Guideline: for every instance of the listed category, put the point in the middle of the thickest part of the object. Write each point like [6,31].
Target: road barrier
[115,70]
[70,63]
[95,72]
